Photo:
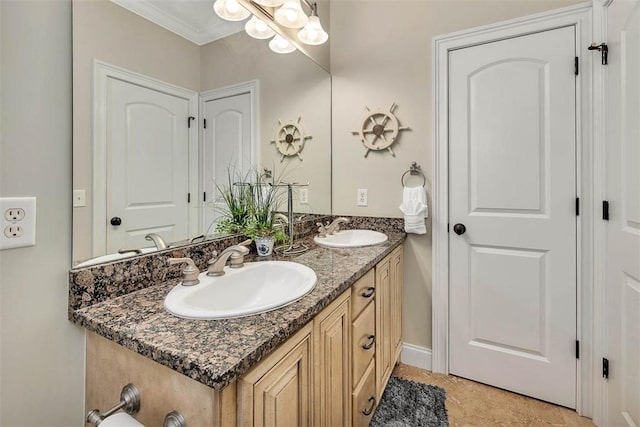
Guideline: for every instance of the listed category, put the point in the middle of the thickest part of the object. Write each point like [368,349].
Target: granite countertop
[216,352]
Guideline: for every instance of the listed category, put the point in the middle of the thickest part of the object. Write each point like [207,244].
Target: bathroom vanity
[323,360]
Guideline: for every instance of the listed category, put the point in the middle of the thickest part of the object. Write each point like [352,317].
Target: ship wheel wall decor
[380,129]
[290,139]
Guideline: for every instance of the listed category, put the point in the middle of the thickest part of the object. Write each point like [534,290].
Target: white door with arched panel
[512,192]
[148,173]
[227,149]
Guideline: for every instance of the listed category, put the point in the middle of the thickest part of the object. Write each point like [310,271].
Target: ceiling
[194,20]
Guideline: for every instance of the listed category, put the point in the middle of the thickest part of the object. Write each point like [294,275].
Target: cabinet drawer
[364,398]
[362,292]
[364,330]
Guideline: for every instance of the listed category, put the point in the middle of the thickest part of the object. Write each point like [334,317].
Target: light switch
[79,198]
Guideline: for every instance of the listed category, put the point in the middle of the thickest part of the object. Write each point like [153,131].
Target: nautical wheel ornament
[290,139]
[380,129]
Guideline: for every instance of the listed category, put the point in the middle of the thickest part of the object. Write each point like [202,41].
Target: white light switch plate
[304,196]
[17,230]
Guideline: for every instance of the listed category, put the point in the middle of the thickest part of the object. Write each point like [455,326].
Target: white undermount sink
[255,288]
[351,239]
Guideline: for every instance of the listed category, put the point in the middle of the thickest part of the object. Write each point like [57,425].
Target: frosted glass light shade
[257,29]
[279,44]
[230,10]
[270,3]
[291,15]
[313,33]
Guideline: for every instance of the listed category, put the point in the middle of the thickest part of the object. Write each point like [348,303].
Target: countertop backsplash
[94,284]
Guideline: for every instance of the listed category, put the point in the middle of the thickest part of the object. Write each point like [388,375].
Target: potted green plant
[261,225]
[237,202]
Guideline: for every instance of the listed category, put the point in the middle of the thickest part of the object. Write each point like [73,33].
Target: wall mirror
[145,160]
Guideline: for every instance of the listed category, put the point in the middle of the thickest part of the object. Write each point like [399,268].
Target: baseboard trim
[417,356]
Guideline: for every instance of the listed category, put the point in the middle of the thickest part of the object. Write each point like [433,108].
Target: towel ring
[414,170]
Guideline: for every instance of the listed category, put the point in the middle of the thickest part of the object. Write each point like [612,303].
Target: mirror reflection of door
[147,173]
[227,149]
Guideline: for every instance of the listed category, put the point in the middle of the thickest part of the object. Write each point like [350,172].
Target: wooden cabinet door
[332,355]
[383,324]
[396,303]
[278,391]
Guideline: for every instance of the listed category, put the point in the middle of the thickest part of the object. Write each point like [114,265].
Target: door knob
[116,220]
[459,229]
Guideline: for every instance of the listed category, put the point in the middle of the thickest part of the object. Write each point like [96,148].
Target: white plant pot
[264,245]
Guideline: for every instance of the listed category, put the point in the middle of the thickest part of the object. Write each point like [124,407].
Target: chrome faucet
[335,225]
[235,253]
[190,273]
[157,240]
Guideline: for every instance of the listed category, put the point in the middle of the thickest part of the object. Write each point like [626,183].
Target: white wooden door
[513,186]
[147,165]
[227,149]
[622,280]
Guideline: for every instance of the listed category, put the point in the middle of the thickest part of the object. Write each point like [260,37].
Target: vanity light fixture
[279,44]
[287,13]
[230,10]
[291,15]
[313,33]
[258,29]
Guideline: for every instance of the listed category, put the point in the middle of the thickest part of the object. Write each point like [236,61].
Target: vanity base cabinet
[332,372]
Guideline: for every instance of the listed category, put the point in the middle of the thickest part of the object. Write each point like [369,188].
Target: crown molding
[150,12]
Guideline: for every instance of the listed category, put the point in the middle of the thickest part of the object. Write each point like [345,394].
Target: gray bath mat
[407,403]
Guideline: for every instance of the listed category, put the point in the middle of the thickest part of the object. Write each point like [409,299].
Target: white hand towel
[414,208]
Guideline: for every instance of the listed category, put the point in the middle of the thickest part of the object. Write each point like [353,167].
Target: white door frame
[250,87]
[101,73]
[578,16]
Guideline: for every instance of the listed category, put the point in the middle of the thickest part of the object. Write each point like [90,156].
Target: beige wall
[290,86]
[107,32]
[42,359]
[381,53]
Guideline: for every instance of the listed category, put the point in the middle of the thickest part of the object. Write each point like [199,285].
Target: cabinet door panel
[383,324]
[332,341]
[396,303]
[278,391]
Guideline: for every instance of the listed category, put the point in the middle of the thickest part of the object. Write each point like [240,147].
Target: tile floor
[474,404]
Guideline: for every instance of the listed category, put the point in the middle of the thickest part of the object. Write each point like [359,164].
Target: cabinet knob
[368,411]
[368,292]
[116,221]
[372,341]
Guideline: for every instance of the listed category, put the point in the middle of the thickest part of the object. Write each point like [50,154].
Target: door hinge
[205,123]
[576,66]
[204,196]
[605,210]
[577,206]
[188,197]
[189,121]
[447,227]
[604,51]
[605,368]
[577,349]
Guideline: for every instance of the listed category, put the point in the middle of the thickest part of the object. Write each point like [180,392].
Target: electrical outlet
[363,199]
[18,222]
[304,196]
[14,214]
[79,198]
[13,231]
